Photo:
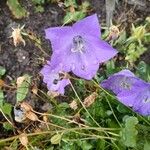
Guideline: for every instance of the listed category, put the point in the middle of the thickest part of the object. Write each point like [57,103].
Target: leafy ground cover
[86,117]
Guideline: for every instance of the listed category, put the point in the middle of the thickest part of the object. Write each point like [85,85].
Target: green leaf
[143,71]
[38,2]
[6,108]
[77,15]
[84,145]
[39,8]
[23,89]
[2,71]
[146,146]
[17,10]
[68,3]
[122,109]
[1,98]
[8,126]
[110,67]
[129,132]
[56,139]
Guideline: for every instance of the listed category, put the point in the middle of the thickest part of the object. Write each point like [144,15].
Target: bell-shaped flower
[130,90]
[55,79]
[78,48]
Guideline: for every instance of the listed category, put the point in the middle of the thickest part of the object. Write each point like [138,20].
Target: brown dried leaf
[26,106]
[45,119]
[32,116]
[23,139]
[72,9]
[53,94]
[35,90]
[88,101]
[73,105]
[77,118]
[113,33]
[1,83]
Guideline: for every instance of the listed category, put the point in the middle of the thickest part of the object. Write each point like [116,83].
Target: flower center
[125,83]
[78,44]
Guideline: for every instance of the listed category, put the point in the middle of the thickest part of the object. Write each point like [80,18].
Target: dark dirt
[28,59]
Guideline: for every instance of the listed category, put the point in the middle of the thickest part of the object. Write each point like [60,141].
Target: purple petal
[101,49]
[60,37]
[83,65]
[142,103]
[89,25]
[127,98]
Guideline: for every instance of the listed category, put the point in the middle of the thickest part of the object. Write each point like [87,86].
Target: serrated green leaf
[17,10]
[56,139]
[129,132]
[23,89]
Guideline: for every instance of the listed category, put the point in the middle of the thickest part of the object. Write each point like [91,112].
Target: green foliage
[2,71]
[55,139]
[75,12]
[129,132]
[6,109]
[7,126]
[1,97]
[146,146]
[134,45]
[143,71]
[134,51]
[138,34]
[39,5]
[22,90]
[17,10]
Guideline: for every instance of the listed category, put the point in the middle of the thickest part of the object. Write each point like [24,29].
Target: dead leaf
[32,116]
[73,105]
[26,106]
[35,90]
[23,139]
[45,119]
[53,94]
[1,83]
[113,33]
[88,101]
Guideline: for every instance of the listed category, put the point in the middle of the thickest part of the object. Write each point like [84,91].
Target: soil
[30,58]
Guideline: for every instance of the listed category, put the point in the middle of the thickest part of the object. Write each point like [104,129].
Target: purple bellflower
[78,48]
[138,99]
[54,78]
[130,90]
